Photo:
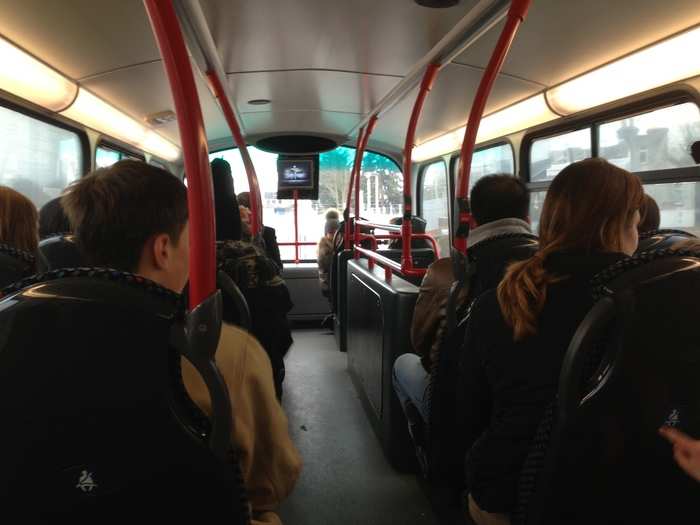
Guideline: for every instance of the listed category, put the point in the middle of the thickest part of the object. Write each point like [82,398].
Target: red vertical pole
[358,170]
[194,145]
[516,14]
[346,213]
[406,226]
[296,227]
[256,199]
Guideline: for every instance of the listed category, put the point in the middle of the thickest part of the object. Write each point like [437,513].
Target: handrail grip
[387,227]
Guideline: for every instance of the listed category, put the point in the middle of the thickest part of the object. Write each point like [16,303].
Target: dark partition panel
[340,282]
[378,326]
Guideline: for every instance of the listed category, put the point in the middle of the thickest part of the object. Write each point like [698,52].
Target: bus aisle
[346,478]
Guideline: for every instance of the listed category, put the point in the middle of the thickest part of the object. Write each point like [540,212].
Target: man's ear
[160,247]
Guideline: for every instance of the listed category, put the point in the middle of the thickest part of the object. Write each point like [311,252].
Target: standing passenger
[517,336]
[133,217]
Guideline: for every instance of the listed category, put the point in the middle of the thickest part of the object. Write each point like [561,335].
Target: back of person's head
[496,197]
[18,220]
[114,211]
[590,207]
[650,216]
[695,151]
[228,217]
[332,221]
[244,199]
[52,219]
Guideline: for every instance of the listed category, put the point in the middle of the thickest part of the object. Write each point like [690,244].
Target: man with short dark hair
[133,217]
[695,151]
[500,206]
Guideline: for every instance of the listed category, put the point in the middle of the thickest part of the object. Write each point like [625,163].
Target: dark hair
[650,216]
[587,207]
[228,216]
[18,218]
[695,151]
[115,210]
[497,197]
[52,219]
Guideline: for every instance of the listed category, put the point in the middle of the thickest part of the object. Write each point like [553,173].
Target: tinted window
[105,157]
[536,202]
[435,195]
[37,159]
[489,161]
[551,155]
[381,186]
[656,140]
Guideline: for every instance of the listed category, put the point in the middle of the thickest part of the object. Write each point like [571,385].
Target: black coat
[272,249]
[506,386]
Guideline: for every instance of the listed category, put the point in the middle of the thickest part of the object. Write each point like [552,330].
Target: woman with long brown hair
[518,334]
[18,221]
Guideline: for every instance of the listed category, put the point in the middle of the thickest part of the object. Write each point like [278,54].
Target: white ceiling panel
[563,38]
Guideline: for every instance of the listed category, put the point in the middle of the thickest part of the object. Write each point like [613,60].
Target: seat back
[14,265]
[96,422]
[660,239]
[60,251]
[631,367]
[488,260]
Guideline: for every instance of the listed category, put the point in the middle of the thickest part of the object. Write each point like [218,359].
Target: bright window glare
[381,189]
[36,158]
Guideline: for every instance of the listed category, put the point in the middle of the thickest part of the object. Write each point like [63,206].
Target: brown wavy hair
[587,207]
[19,221]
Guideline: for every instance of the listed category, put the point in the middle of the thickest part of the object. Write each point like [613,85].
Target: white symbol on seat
[673,419]
[86,483]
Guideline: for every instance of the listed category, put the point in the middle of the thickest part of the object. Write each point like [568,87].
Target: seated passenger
[132,217]
[518,334]
[325,250]
[52,219]
[650,215]
[18,230]
[272,249]
[257,276]
[500,205]
[418,225]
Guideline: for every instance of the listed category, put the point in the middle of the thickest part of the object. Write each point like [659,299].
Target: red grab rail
[357,169]
[256,199]
[516,15]
[406,226]
[347,243]
[194,145]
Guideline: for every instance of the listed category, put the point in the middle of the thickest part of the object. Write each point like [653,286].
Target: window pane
[434,204]
[656,140]
[105,157]
[37,159]
[679,203]
[536,202]
[551,155]
[489,161]
[381,185]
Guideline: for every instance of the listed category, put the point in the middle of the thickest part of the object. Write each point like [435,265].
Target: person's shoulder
[244,345]
[485,309]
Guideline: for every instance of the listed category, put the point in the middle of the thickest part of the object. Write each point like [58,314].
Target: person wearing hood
[325,250]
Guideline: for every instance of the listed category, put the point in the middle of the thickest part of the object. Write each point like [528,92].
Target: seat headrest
[15,264]
[658,239]
[60,251]
[97,285]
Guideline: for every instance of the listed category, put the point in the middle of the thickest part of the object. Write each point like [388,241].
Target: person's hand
[686,450]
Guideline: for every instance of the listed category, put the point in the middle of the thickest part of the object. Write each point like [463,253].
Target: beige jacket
[269,460]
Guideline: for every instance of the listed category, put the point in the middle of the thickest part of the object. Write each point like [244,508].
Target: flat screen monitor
[297,173]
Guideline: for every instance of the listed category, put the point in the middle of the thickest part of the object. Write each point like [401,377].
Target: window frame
[59,123]
[106,144]
[594,120]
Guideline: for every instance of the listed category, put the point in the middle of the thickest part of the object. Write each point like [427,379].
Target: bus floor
[346,479]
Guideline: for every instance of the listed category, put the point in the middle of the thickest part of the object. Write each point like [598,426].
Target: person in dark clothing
[650,215]
[257,276]
[272,249]
[500,205]
[695,151]
[52,219]
[518,334]
[228,217]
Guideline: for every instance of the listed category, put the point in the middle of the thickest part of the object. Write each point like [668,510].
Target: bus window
[655,140]
[679,204]
[37,159]
[106,156]
[550,155]
[434,196]
[536,202]
[489,161]
[381,186]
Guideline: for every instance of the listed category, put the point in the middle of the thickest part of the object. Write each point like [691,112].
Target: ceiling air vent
[161,118]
